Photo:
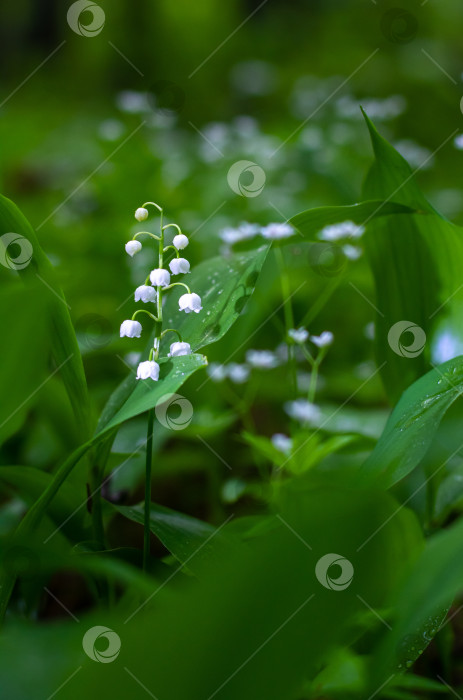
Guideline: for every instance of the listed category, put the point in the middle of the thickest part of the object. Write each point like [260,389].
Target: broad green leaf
[64,347]
[224,285]
[146,396]
[191,541]
[174,372]
[413,424]
[259,604]
[25,351]
[420,605]
[310,222]
[416,262]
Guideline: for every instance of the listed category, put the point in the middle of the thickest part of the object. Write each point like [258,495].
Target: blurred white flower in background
[346,229]
[283,443]
[262,359]
[303,411]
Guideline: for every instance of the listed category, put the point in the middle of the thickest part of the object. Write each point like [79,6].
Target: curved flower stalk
[151,291]
[153,288]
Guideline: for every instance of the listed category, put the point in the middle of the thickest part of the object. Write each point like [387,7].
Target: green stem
[179,284]
[288,312]
[146,233]
[149,459]
[144,311]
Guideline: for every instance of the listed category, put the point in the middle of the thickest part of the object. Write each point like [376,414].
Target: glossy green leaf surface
[416,262]
[413,424]
[65,348]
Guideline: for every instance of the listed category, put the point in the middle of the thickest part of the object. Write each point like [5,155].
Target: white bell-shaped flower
[160,277]
[179,349]
[141,214]
[131,329]
[189,303]
[133,247]
[148,370]
[179,266]
[180,241]
[145,293]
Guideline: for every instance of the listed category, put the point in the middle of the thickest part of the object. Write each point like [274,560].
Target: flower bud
[141,214]
[180,241]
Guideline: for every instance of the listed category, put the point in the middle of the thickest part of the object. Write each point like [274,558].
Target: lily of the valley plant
[151,292]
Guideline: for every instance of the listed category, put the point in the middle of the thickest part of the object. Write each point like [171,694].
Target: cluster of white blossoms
[336,232]
[151,292]
[271,232]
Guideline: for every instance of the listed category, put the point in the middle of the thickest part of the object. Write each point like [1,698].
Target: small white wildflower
[179,266]
[323,340]
[217,372]
[261,359]
[160,277]
[180,241]
[243,232]
[283,443]
[346,229]
[351,252]
[299,335]
[302,411]
[458,142]
[179,349]
[141,214]
[238,374]
[189,303]
[277,231]
[133,247]
[148,370]
[145,293]
[131,329]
